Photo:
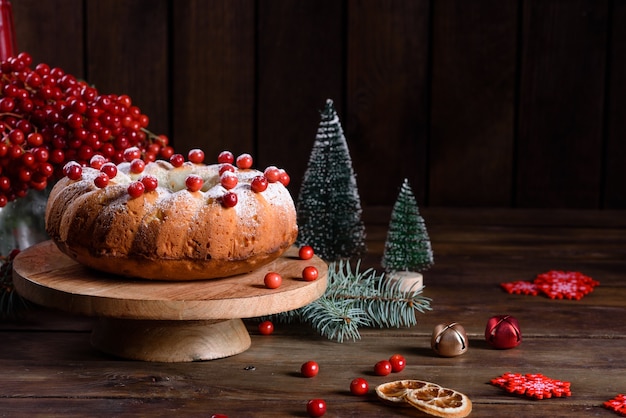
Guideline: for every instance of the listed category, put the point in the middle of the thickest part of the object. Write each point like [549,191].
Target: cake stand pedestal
[166,321]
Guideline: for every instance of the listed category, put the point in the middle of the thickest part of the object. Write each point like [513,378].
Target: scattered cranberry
[266,327]
[177,160]
[244,161]
[226,157]
[259,184]
[196,156]
[101,181]
[136,189]
[310,273]
[229,200]
[398,363]
[219,416]
[109,169]
[316,407]
[272,174]
[310,369]
[194,183]
[137,166]
[228,180]
[382,368]
[306,252]
[272,280]
[359,386]
[150,183]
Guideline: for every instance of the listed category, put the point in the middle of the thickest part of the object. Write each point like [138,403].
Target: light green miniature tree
[407,247]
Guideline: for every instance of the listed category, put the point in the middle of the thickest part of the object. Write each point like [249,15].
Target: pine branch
[356,298]
[335,320]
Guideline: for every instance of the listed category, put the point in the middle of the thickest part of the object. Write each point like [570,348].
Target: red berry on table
[398,363]
[310,273]
[136,189]
[316,407]
[306,252]
[194,183]
[272,174]
[177,160]
[150,183]
[272,280]
[310,369]
[359,386]
[244,161]
[226,157]
[382,368]
[266,327]
[229,200]
[109,169]
[137,166]
[219,416]
[228,180]
[196,156]
[101,181]
[259,184]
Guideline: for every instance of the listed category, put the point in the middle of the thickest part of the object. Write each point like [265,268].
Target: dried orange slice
[427,397]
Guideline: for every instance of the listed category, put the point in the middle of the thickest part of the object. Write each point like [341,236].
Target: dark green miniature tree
[407,246]
[329,207]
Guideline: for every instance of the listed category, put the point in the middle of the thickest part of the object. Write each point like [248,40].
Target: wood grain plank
[473,103]
[300,65]
[52,32]
[127,53]
[559,151]
[213,76]
[614,169]
[387,122]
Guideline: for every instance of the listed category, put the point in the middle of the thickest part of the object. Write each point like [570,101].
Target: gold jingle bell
[449,340]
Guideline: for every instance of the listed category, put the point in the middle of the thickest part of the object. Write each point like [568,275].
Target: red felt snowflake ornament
[535,386]
[565,284]
[617,405]
[555,284]
[521,287]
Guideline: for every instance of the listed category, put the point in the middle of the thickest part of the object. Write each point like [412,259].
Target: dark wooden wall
[503,103]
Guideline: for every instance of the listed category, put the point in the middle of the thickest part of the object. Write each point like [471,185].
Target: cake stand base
[165,321]
[170,341]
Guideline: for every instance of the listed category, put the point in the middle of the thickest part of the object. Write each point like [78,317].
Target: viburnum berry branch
[50,117]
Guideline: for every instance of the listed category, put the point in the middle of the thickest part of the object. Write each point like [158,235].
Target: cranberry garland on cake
[172,220]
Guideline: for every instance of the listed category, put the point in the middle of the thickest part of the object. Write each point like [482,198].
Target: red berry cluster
[49,117]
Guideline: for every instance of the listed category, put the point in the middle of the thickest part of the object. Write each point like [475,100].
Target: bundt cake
[172,220]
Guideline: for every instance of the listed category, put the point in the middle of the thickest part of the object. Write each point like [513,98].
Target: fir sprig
[11,303]
[355,299]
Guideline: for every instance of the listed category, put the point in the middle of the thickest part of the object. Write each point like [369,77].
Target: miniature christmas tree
[329,207]
[407,247]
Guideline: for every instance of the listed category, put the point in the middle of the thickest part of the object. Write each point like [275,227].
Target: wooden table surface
[48,368]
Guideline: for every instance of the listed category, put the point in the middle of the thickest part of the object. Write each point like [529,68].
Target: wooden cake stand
[163,320]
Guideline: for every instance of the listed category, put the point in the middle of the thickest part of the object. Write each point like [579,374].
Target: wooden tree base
[164,321]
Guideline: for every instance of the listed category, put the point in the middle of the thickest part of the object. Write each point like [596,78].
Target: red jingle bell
[503,332]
